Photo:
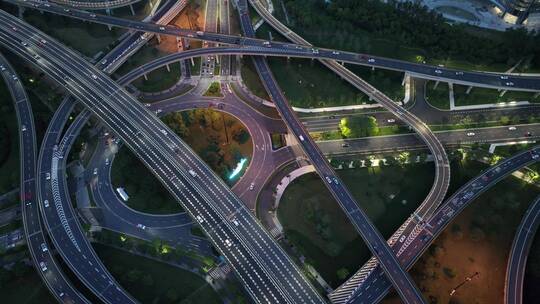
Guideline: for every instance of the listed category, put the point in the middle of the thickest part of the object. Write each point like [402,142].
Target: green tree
[343,273]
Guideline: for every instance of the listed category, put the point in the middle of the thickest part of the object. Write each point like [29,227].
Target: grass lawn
[478,240]
[195,68]
[317,226]
[217,137]
[9,140]
[159,80]
[145,194]
[27,289]
[214,90]
[144,55]
[251,78]
[482,96]
[438,97]
[151,281]
[531,292]
[308,83]
[87,38]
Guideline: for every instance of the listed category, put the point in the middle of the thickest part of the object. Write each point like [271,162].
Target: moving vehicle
[470,134]
[44,247]
[43,266]
[192,173]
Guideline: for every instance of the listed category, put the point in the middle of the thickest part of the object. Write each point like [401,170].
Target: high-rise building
[516,11]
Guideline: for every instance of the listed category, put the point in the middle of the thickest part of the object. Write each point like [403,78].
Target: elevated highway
[267,273]
[44,262]
[96,5]
[374,286]
[499,81]
[60,217]
[517,260]
[400,279]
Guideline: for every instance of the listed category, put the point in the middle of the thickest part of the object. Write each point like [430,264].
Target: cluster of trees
[358,126]
[408,24]
[212,124]
[145,194]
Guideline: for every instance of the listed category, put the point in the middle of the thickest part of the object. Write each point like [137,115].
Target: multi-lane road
[401,280]
[479,79]
[517,260]
[54,278]
[371,285]
[261,265]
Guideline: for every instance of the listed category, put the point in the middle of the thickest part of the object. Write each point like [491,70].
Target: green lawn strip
[195,68]
[150,281]
[317,226]
[251,79]
[438,97]
[146,193]
[308,83]
[85,37]
[10,227]
[159,80]
[479,96]
[144,55]
[214,90]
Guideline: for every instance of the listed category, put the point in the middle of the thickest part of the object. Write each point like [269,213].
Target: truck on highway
[122,194]
[199,33]
[192,173]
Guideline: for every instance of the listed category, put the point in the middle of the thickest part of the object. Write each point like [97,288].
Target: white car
[235,222]
[459,73]
[391,120]
[47,176]
[328,179]
[141,226]
[371,60]
[438,71]
[510,84]
[161,28]
[504,77]
[335,52]
[46,203]
[251,186]
[512,128]
[94,76]
[470,134]
[2,68]
[43,266]
[106,161]
[23,128]
[95,171]
[200,219]
[228,243]
[44,247]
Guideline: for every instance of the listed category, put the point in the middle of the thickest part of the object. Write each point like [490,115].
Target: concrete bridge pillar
[132,10]
[109,11]
[192,61]
[168,68]
[468,90]
[405,77]
[145,77]
[373,68]
[536,95]
[436,84]
[502,93]
[217,59]
[158,39]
